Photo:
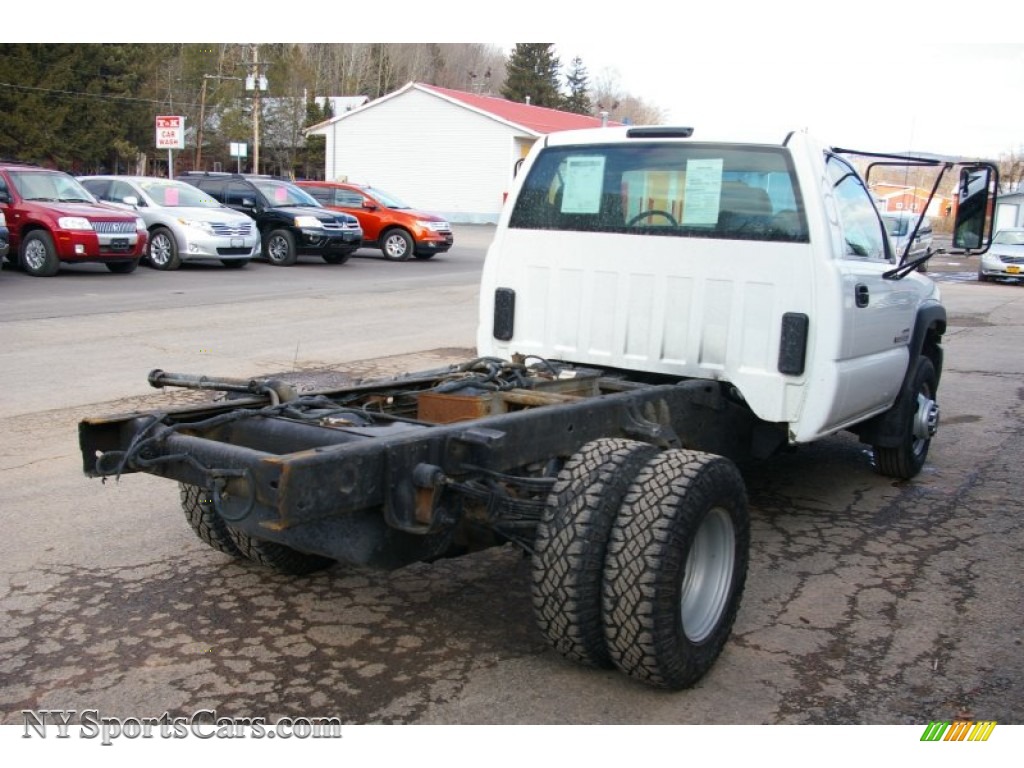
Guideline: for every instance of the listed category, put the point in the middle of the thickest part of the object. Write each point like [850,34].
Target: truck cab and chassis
[654,312]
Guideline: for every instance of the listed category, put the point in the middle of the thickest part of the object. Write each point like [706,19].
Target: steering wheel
[653,212]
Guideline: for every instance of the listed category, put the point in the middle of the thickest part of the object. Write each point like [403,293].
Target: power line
[83,95]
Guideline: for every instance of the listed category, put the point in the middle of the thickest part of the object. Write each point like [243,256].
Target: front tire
[572,538]
[163,250]
[397,245]
[905,460]
[279,248]
[38,255]
[676,567]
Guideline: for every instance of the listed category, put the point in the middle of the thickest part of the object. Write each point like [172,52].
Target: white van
[900,225]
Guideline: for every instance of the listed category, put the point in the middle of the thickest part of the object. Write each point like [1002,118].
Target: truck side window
[862,228]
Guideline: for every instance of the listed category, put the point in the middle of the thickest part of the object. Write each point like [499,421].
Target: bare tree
[1011,171]
[607,96]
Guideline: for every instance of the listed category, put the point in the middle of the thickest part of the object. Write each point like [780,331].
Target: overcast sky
[877,75]
[964,100]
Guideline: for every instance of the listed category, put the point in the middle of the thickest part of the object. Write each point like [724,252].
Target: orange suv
[388,223]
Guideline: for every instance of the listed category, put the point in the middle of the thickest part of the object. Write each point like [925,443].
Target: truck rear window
[672,190]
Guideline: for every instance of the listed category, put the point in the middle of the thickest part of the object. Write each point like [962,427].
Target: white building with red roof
[445,151]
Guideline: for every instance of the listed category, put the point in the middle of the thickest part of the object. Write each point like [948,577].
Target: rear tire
[278,556]
[676,567]
[204,520]
[572,538]
[210,527]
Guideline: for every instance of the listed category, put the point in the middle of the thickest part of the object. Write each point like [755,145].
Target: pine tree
[532,72]
[577,80]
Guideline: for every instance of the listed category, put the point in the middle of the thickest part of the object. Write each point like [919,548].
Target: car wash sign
[170,132]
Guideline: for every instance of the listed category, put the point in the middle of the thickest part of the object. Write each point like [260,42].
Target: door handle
[862,295]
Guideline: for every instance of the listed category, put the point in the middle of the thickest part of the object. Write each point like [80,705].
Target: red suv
[388,223]
[52,219]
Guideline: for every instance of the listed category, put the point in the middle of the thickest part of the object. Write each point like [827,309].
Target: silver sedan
[184,223]
[1005,259]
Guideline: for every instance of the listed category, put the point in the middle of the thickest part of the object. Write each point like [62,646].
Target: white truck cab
[764,266]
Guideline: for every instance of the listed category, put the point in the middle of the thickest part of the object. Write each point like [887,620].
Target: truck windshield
[674,190]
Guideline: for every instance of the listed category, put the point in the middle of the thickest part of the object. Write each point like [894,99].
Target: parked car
[1005,259]
[290,222]
[53,219]
[4,237]
[900,225]
[388,224]
[184,223]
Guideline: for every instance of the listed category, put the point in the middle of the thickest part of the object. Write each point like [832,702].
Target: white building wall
[431,153]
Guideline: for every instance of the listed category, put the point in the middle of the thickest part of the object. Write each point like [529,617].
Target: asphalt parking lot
[868,601]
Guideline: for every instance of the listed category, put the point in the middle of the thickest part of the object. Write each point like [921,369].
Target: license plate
[119,243]
[237,242]
[1012,270]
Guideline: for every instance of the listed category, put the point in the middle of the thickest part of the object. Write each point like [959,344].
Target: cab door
[877,315]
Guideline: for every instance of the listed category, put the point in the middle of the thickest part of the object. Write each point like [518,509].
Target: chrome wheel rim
[707,577]
[926,422]
[395,247]
[277,249]
[35,255]
[160,250]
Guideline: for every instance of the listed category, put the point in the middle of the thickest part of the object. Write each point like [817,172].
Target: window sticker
[171,196]
[584,177]
[703,191]
[280,194]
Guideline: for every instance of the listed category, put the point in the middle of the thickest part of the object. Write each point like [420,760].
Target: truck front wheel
[572,538]
[676,567]
[906,459]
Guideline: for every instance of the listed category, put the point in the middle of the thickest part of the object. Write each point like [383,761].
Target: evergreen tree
[65,105]
[532,72]
[577,80]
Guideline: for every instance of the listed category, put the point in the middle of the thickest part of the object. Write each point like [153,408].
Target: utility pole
[256,82]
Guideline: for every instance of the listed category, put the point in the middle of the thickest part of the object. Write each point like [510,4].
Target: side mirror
[972,227]
[248,202]
[369,205]
[5,196]
[131,200]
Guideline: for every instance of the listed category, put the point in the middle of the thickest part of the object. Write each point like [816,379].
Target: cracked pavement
[867,600]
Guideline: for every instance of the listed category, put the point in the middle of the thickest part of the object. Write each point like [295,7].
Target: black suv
[291,223]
